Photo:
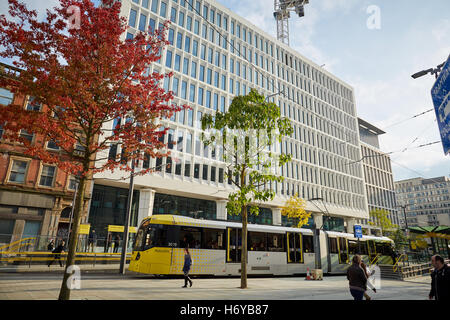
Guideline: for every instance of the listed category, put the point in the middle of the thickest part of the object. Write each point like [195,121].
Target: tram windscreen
[139,238]
[154,235]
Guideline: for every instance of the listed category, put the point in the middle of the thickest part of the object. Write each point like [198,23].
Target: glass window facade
[293,222]
[333,224]
[108,207]
[264,217]
[190,207]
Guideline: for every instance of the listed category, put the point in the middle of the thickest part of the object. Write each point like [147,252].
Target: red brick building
[35,197]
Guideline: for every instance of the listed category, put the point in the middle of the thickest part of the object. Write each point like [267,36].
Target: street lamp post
[406,224]
[73,208]
[434,71]
[316,232]
[127,221]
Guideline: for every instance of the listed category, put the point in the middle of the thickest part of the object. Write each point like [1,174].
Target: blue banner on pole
[358,231]
[441,100]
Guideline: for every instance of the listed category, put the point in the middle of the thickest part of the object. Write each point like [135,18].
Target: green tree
[399,238]
[380,218]
[247,134]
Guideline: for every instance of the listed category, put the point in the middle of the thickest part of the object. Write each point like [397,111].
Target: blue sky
[378,63]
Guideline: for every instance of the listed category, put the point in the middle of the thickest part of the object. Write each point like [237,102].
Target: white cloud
[442,30]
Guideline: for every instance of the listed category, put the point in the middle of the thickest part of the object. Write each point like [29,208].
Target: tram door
[343,250]
[234,245]
[372,249]
[294,246]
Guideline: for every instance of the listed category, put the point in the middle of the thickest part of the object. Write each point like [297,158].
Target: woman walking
[357,278]
[187,267]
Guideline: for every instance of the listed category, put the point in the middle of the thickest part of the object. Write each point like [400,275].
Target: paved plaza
[103,285]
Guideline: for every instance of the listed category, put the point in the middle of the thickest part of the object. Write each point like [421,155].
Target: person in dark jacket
[51,245]
[440,279]
[92,242]
[357,278]
[116,243]
[59,249]
[187,267]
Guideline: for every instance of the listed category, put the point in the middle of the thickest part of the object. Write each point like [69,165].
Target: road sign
[84,229]
[113,228]
[358,231]
[441,100]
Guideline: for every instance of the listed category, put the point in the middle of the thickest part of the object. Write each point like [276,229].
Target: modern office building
[377,175]
[215,55]
[426,201]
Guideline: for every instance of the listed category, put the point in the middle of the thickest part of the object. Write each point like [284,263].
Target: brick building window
[47,176]
[33,105]
[6,96]
[18,171]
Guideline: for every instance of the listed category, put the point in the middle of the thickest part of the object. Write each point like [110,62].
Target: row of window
[341,245]
[206,99]
[401,188]
[186,166]
[7,97]
[376,159]
[257,41]
[19,170]
[258,59]
[206,238]
[220,60]
[380,197]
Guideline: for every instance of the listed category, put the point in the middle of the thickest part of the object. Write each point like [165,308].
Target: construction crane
[282,9]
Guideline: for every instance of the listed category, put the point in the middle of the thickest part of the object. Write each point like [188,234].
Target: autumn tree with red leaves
[87,76]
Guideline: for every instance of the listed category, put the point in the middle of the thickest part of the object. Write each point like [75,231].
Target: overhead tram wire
[399,151]
[388,153]
[415,116]
[426,129]
[425,145]
[274,83]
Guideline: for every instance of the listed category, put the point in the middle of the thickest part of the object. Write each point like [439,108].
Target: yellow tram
[215,248]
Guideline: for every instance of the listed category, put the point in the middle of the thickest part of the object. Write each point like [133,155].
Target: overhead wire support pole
[123,255]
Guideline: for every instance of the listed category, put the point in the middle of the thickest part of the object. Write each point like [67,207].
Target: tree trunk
[244,249]
[64,293]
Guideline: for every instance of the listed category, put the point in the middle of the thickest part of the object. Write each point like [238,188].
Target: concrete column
[19,226]
[318,223]
[276,216]
[350,224]
[318,220]
[45,231]
[146,201]
[221,213]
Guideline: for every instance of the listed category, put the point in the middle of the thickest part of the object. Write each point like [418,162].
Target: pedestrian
[51,245]
[116,243]
[369,284]
[92,242]
[357,278]
[57,253]
[394,256]
[440,279]
[187,267]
